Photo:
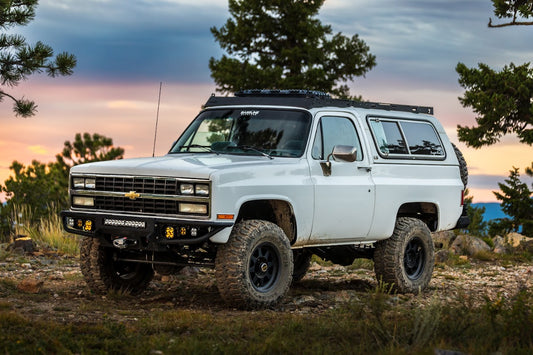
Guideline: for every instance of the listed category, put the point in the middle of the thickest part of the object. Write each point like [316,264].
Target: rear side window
[397,138]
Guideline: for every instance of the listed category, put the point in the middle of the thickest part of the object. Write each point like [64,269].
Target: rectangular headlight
[90,183]
[187,189]
[202,190]
[83,201]
[194,208]
[79,183]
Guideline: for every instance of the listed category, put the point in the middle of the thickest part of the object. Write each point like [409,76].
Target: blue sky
[126,47]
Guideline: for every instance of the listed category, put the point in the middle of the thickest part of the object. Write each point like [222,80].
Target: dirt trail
[61,294]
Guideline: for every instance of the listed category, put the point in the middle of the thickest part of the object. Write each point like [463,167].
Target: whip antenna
[157,117]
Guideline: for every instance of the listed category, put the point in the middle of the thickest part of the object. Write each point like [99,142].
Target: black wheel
[406,259]
[254,268]
[302,262]
[463,169]
[103,272]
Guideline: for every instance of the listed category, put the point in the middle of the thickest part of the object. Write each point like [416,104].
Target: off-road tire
[102,273]
[405,260]
[463,169]
[254,268]
[302,262]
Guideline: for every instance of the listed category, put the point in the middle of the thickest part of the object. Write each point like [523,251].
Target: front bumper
[145,230]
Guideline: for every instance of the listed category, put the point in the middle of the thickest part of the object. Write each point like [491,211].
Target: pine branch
[512,23]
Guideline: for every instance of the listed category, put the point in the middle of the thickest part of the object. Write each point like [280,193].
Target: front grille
[122,204]
[138,184]
[147,195]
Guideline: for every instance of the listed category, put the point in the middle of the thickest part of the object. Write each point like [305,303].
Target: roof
[305,99]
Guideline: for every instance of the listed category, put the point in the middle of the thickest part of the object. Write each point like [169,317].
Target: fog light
[169,232]
[193,208]
[70,222]
[83,201]
[194,232]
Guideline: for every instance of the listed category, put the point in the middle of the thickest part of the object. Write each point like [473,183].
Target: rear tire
[406,259]
[254,268]
[103,272]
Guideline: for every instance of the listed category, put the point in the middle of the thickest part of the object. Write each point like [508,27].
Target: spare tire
[463,169]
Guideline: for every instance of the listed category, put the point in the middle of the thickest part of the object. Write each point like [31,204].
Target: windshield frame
[186,139]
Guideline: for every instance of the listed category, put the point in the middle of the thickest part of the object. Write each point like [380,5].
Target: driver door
[344,201]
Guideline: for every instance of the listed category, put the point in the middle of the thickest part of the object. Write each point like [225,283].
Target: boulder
[30,285]
[465,244]
[443,239]
[22,244]
[500,247]
[442,256]
[514,239]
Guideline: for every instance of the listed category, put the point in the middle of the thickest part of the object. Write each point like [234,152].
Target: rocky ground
[46,285]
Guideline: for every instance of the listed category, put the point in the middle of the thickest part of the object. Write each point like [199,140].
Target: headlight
[187,189]
[202,190]
[79,183]
[84,183]
[90,183]
[83,201]
[193,208]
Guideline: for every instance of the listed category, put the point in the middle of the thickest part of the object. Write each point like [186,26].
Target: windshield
[273,133]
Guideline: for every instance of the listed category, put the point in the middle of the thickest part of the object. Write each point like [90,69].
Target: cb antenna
[157,117]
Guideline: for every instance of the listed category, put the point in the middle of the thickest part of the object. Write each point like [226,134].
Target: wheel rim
[414,258]
[264,267]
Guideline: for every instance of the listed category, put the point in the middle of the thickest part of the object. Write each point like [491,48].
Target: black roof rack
[305,99]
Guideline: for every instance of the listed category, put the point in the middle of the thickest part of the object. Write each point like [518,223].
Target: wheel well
[275,211]
[425,211]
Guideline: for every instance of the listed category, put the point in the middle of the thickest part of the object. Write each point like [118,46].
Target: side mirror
[345,153]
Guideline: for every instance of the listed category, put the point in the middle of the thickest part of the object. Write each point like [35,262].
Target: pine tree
[19,60]
[516,202]
[280,44]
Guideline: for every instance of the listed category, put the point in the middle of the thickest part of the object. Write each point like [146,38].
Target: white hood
[198,166]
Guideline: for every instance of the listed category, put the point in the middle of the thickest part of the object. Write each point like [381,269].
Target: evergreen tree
[18,60]
[514,10]
[516,202]
[280,44]
[44,187]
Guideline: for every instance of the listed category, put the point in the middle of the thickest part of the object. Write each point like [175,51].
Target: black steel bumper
[464,220]
[145,229]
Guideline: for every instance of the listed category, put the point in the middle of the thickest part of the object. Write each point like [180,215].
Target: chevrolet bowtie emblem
[132,195]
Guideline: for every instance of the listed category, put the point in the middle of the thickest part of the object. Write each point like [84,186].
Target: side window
[388,137]
[334,131]
[406,138]
[422,139]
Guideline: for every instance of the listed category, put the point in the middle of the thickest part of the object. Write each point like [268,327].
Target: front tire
[406,259]
[254,268]
[103,272]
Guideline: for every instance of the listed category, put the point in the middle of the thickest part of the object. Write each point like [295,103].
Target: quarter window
[406,138]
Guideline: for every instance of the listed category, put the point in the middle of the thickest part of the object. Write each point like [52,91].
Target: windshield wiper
[248,148]
[206,147]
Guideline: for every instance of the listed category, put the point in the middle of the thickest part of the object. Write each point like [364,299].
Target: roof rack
[304,98]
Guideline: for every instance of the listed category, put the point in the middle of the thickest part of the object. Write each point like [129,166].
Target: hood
[196,166]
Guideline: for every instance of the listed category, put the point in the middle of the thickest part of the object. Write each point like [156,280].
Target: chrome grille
[139,184]
[141,205]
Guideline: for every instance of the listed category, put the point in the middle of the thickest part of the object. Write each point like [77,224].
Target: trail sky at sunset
[125,48]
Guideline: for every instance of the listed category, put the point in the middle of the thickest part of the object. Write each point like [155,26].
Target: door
[344,200]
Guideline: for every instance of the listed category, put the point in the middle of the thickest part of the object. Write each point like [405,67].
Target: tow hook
[123,243]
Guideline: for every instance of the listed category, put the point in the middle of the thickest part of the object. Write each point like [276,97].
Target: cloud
[132,41]
[38,149]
